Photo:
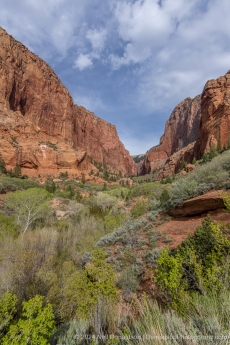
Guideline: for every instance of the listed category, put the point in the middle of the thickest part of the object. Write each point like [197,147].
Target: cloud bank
[137,59]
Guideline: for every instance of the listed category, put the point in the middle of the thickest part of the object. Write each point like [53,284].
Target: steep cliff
[181,130]
[215,114]
[40,127]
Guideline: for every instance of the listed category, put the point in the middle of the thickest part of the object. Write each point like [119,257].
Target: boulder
[210,201]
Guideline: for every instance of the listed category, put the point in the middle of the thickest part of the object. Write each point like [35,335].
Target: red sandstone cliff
[181,131]
[215,117]
[40,127]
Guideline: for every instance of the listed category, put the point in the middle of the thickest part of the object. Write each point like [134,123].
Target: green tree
[28,205]
[213,152]
[35,327]
[2,165]
[8,226]
[50,186]
[83,289]
[164,197]
[83,178]
[8,303]
[219,146]
[104,187]
[183,164]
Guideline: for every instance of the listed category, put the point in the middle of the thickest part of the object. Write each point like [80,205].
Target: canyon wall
[181,131]
[215,118]
[40,127]
[193,127]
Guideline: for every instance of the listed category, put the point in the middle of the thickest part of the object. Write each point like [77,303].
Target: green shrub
[8,184]
[128,281]
[139,209]
[201,263]
[37,324]
[8,226]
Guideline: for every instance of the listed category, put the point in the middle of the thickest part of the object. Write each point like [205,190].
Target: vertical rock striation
[215,116]
[181,130]
[41,128]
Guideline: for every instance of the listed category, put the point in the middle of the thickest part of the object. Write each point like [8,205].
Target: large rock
[210,201]
[181,130]
[215,113]
[175,161]
[36,109]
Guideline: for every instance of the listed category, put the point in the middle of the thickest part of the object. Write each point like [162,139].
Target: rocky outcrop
[193,127]
[181,130]
[40,127]
[215,116]
[202,204]
[100,139]
[175,162]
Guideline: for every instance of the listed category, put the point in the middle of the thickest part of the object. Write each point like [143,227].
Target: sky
[128,61]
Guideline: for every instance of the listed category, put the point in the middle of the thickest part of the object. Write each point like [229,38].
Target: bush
[8,226]
[128,281]
[36,325]
[8,184]
[139,209]
[200,263]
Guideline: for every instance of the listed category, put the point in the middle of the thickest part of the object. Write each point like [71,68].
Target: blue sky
[130,62]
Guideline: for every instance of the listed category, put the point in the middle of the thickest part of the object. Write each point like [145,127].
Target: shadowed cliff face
[193,127]
[36,109]
[215,117]
[181,131]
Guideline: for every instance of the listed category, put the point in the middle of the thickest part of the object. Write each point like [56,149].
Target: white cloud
[83,61]
[168,48]
[51,23]
[97,38]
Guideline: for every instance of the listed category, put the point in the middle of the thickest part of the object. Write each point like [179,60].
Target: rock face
[99,138]
[193,127]
[202,204]
[215,118]
[181,131]
[40,127]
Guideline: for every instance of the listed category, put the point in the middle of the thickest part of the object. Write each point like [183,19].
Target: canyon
[45,133]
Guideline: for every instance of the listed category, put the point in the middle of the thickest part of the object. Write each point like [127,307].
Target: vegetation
[75,273]
[28,205]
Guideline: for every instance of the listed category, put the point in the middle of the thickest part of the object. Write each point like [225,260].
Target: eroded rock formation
[210,201]
[40,127]
[181,131]
[215,118]
[193,127]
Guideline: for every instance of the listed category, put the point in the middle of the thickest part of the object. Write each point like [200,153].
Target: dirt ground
[178,229]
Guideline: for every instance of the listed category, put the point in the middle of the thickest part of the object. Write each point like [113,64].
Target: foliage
[16,172]
[50,186]
[102,202]
[28,205]
[200,263]
[128,281]
[8,226]
[164,197]
[139,209]
[82,289]
[206,322]
[2,165]
[8,304]
[51,145]
[35,327]
[8,184]
[64,175]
